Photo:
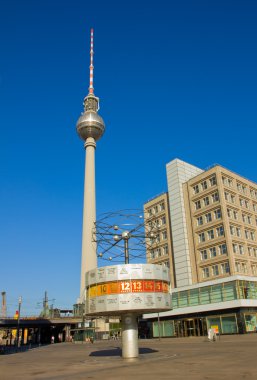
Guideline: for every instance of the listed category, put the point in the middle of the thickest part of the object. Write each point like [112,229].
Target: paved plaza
[231,357]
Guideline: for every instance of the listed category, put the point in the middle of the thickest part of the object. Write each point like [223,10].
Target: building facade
[159,244]
[213,226]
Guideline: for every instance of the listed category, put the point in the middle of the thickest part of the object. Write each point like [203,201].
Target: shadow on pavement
[117,352]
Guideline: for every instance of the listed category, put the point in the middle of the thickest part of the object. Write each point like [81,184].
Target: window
[254,272]
[158,238]
[229,212]
[238,266]
[252,234]
[232,230]
[196,189]
[164,235]
[204,185]
[152,254]
[239,187]
[235,248]
[235,213]
[213,181]
[244,218]
[215,197]
[204,255]
[241,249]
[244,189]
[210,234]
[206,272]
[220,231]
[247,234]
[206,201]
[213,252]
[238,231]
[225,268]
[150,212]
[201,237]
[246,204]
[163,219]
[255,207]
[165,250]
[244,267]
[226,195]
[155,209]
[215,270]
[217,213]
[232,198]
[241,202]
[249,219]
[250,251]
[197,205]
[158,252]
[225,181]
[208,217]
[199,220]
[230,182]
[162,206]
[223,249]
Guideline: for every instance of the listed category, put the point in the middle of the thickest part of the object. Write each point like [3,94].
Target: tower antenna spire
[91,67]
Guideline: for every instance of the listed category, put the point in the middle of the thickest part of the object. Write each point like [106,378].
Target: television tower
[90,127]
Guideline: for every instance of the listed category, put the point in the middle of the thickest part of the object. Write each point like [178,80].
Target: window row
[252,251]
[246,218]
[212,252]
[205,184]
[156,238]
[158,252]
[216,270]
[241,267]
[242,188]
[157,222]
[155,209]
[206,201]
[209,217]
[210,234]
[229,197]
[236,231]
[238,249]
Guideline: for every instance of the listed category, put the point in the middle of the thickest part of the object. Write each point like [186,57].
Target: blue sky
[175,79]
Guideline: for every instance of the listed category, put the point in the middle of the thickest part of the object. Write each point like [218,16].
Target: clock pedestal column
[129,335]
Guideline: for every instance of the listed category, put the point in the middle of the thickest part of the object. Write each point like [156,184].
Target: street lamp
[18,323]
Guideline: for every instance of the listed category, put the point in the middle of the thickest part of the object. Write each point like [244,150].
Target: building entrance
[190,327]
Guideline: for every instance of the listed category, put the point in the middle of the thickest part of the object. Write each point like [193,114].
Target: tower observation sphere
[90,127]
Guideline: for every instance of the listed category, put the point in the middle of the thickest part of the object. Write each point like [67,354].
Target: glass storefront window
[175,300]
[166,329]
[205,295]
[229,291]
[214,322]
[229,325]
[250,322]
[216,293]
[194,297]
[182,300]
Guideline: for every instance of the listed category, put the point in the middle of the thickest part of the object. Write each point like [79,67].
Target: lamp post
[18,323]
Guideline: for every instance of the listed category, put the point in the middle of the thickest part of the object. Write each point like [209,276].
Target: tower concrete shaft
[90,127]
[89,258]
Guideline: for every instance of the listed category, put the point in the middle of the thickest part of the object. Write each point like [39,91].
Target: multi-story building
[159,244]
[221,209]
[213,224]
